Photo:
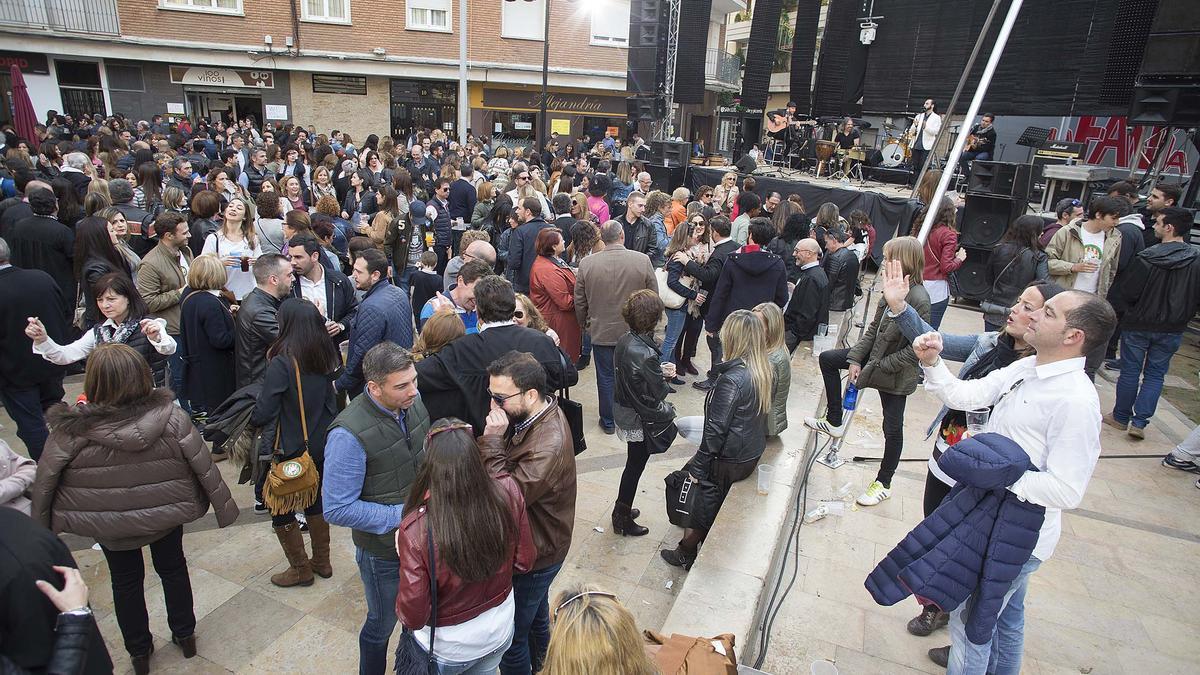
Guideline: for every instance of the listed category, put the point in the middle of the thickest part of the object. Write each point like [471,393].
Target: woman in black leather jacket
[733,432]
[640,400]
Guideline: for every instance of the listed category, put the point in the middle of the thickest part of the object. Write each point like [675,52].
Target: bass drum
[893,154]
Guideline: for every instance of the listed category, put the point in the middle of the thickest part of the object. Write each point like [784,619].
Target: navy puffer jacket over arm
[975,543]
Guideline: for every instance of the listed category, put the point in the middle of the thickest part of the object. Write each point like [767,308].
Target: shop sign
[30,64]
[223,77]
[582,104]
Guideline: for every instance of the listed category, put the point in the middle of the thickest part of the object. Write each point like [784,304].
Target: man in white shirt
[924,132]
[1047,405]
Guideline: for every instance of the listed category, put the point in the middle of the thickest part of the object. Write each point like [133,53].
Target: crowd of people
[381,336]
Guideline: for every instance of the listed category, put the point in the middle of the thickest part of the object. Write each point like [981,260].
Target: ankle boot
[689,368]
[930,619]
[299,572]
[318,534]
[186,644]
[141,662]
[679,556]
[623,523]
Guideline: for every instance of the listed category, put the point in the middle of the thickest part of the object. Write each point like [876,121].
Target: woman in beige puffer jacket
[129,469]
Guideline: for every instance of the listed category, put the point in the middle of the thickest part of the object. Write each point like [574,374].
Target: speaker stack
[1167,92]
[996,195]
[646,76]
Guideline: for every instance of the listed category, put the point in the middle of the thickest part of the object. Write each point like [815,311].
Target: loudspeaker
[1161,105]
[646,108]
[665,178]
[999,178]
[690,61]
[874,157]
[985,219]
[972,276]
[746,164]
[669,153]
[884,174]
[647,46]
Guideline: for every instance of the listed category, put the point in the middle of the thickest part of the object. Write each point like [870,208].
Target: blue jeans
[1002,654]
[532,620]
[27,408]
[603,356]
[1145,355]
[175,378]
[936,311]
[676,318]
[381,582]
[401,278]
[484,665]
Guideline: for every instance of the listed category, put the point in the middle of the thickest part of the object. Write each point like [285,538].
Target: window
[124,78]
[431,15]
[610,23]
[523,20]
[339,84]
[217,6]
[326,11]
[79,87]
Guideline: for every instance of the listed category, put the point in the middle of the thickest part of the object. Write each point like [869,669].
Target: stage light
[867,33]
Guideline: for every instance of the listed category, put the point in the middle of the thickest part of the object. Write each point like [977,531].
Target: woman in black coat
[206,337]
[302,350]
[96,254]
[640,403]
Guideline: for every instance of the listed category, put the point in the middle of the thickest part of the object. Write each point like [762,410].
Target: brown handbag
[292,484]
[687,655]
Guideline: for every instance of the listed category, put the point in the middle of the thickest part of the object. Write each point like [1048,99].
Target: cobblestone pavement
[1109,601]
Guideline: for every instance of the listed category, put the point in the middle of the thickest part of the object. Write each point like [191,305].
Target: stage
[888,205]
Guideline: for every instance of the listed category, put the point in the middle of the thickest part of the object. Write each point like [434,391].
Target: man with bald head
[476,247]
[809,305]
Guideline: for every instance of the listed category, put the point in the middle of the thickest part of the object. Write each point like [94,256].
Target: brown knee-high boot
[299,572]
[318,534]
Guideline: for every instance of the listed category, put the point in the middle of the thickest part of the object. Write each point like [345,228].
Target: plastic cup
[977,420]
[766,474]
[823,667]
[668,369]
[822,329]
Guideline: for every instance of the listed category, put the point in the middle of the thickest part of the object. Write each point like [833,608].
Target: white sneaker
[875,493]
[823,426]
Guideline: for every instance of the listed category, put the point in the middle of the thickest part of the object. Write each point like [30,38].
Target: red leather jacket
[939,253]
[458,601]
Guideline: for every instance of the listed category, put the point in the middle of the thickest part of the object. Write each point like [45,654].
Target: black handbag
[691,503]
[411,659]
[659,437]
[573,410]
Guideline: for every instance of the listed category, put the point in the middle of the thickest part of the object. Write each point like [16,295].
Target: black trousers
[128,573]
[27,406]
[832,363]
[714,348]
[685,347]
[935,492]
[635,464]
[724,475]
[918,161]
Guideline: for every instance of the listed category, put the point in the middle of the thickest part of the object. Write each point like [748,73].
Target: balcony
[71,16]
[722,71]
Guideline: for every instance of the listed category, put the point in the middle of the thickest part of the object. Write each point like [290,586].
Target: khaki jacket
[541,458]
[1066,248]
[160,280]
[604,281]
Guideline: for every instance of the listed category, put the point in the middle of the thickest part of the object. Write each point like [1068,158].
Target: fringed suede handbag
[292,484]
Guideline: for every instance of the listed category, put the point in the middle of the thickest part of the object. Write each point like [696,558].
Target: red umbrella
[24,119]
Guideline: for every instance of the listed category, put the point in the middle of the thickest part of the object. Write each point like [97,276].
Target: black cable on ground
[764,637]
[860,458]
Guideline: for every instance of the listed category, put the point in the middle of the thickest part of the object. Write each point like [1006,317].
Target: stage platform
[889,206]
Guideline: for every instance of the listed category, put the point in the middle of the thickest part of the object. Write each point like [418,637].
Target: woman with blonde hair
[99,186]
[527,315]
[206,337]
[438,331]
[883,360]
[725,195]
[236,243]
[732,434]
[322,185]
[781,365]
[594,634]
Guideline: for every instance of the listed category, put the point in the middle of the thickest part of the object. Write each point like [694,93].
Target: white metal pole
[464,107]
[976,102]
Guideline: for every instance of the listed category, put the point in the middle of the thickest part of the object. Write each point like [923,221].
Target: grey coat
[781,365]
[888,362]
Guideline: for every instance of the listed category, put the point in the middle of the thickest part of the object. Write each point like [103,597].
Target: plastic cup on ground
[766,474]
[823,667]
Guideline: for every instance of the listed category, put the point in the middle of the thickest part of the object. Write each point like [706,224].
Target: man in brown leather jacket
[526,436]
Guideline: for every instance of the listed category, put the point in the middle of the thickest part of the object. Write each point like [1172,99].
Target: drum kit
[893,144]
[894,148]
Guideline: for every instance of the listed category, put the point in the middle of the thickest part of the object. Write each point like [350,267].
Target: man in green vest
[374,449]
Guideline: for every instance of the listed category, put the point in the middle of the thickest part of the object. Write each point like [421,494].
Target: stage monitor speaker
[646,108]
[874,157]
[999,178]
[973,276]
[665,178]
[986,218]
[883,174]
[746,164]
[1166,104]
[669,153]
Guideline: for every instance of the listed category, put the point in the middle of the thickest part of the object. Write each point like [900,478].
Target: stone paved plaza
[1117,597]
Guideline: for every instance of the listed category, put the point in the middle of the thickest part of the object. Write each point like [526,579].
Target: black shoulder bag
[410,658]
[572,410]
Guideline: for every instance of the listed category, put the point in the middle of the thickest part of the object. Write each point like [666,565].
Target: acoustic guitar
[777,122]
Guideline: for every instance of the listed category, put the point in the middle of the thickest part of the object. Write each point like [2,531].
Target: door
[249,106]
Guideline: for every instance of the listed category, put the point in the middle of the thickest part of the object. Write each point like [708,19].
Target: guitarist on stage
[981,144]
[783,125]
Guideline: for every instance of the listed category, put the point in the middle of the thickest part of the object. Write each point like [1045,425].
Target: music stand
[1033,137]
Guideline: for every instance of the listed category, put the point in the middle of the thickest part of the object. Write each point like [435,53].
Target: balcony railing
[720,66]
[73,16]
